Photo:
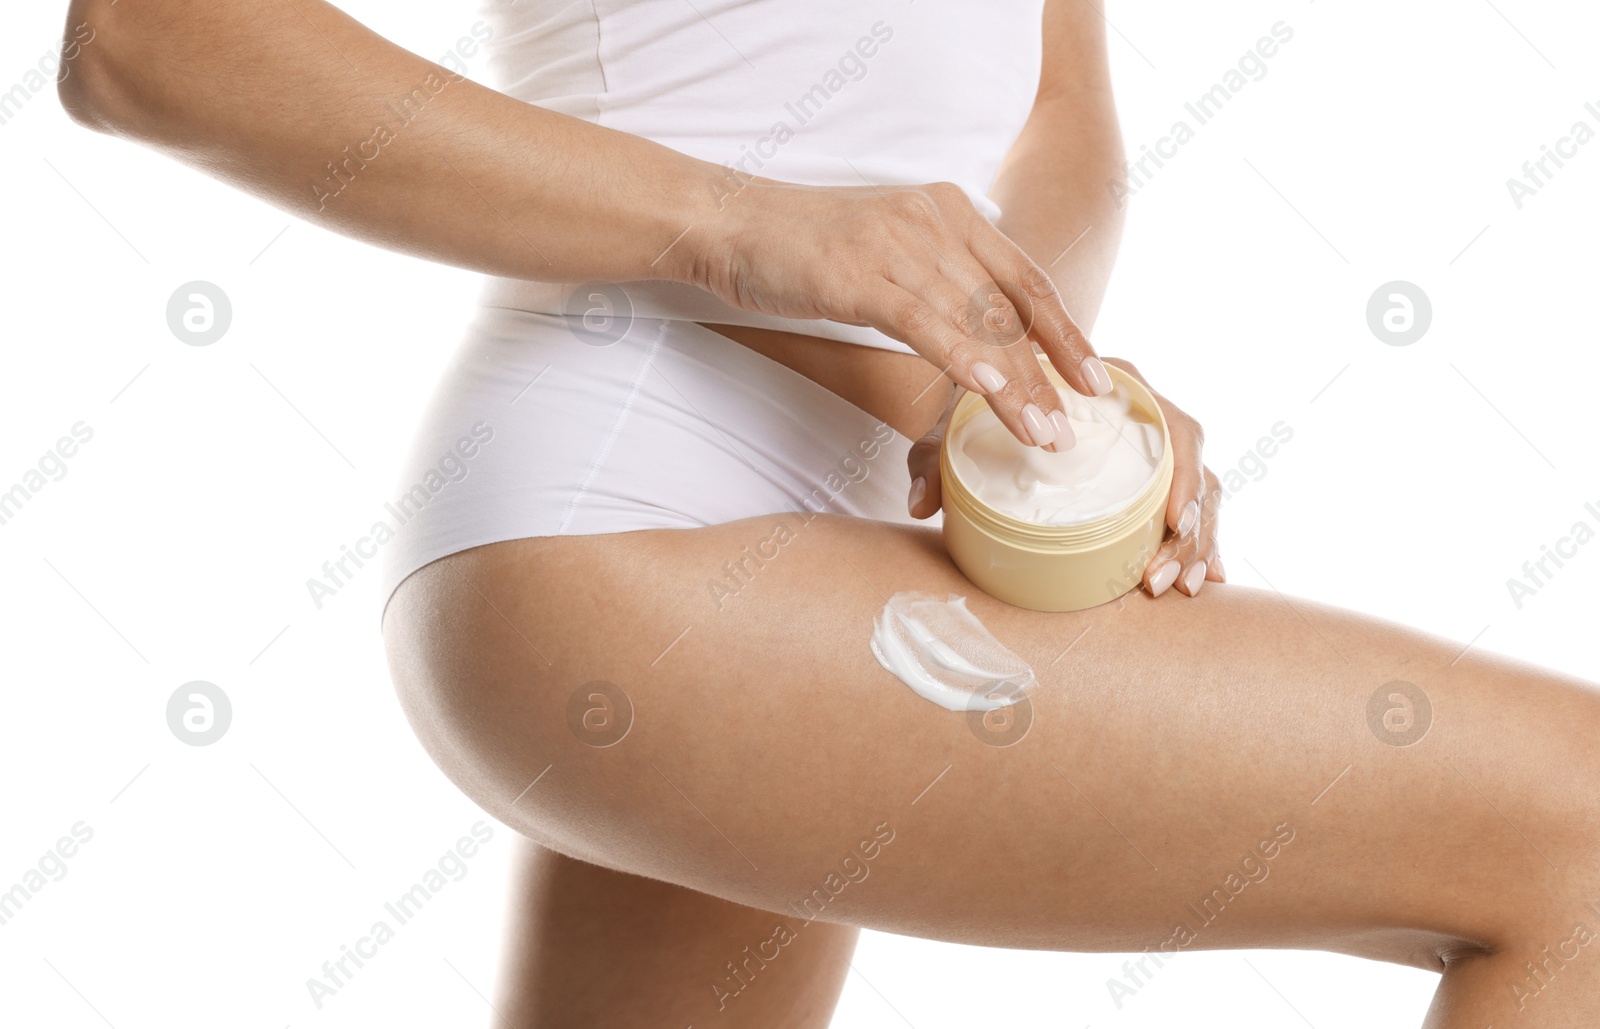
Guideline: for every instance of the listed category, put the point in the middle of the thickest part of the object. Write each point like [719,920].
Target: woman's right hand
[920,264]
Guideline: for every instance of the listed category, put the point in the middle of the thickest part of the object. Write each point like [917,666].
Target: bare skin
[776,789]
[1168,740]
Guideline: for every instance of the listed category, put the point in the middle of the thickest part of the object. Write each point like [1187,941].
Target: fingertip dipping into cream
[1064,435]
[1108,452]
[1039,428]
[1095,374]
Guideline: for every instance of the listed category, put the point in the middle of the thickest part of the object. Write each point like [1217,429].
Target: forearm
[1055,203]
[303,106]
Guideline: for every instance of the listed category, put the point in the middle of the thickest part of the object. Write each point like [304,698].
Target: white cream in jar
[1118,450]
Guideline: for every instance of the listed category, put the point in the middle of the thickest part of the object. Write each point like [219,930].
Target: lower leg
[1549,979]
[588,946]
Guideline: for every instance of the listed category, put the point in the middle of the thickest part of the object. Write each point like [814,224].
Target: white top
[821,92]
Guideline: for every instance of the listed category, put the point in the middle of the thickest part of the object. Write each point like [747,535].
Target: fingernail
[1191,512]
[1194,578]
[1216,566]
[1163,578]
[1095,372]
[1064,435]
[1037,425]
[989,377]
[919,489]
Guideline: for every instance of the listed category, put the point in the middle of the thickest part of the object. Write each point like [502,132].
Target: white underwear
[538,427]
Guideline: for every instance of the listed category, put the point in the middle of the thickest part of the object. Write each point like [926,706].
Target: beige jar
[1055,567]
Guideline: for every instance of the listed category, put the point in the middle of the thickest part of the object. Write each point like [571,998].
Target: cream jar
[1057,544]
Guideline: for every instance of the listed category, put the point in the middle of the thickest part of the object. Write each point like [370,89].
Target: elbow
[79,98]
[88,84]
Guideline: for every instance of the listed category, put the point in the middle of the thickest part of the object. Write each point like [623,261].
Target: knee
[1568,813]
[1550,826]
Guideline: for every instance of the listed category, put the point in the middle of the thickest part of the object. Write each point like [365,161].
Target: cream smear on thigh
[936,646]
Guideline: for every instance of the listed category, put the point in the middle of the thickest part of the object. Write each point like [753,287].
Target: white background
[1419,479]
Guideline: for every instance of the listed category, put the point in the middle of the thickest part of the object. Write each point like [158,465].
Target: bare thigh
[1203,773]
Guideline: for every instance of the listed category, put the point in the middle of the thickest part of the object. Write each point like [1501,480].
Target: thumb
[923,462]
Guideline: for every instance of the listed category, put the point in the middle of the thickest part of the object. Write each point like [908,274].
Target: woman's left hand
[1187,557]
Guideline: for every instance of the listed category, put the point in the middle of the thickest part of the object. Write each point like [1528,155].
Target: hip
[535,430]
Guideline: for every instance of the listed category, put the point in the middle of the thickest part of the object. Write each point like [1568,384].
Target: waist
[876,373]
[606,309]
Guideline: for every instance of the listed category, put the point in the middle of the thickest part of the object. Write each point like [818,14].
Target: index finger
[1045,316]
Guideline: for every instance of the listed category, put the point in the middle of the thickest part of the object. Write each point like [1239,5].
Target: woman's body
[1171,738]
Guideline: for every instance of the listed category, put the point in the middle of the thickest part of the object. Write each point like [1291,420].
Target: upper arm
[1074,59]
[1074,101]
